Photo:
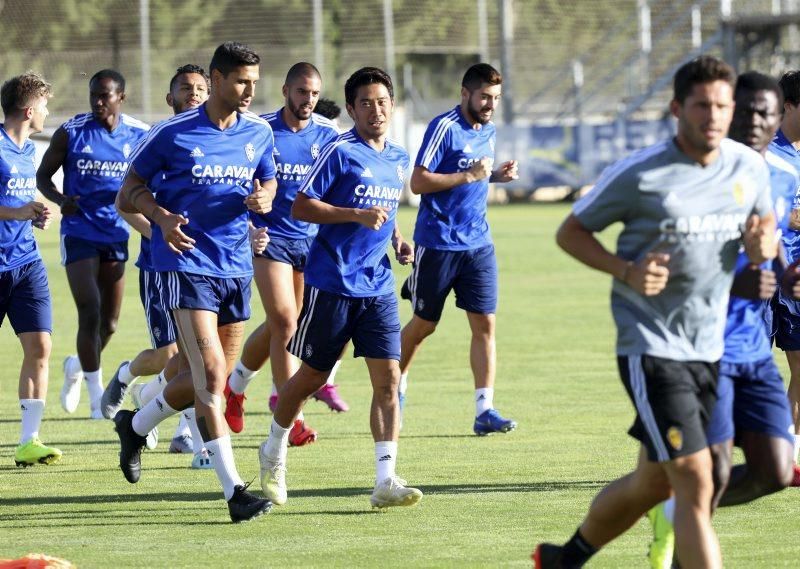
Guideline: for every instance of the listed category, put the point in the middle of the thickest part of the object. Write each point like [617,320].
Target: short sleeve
[149,158]
[608,202]
[266,169]
[763,203]
[326,170]
[435,143]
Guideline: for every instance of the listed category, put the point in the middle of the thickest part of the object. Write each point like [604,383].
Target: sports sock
[32,411]
[332,374]
[300,416]
[94,383]
[669,510]
[577,551]
[149,416]
[152,389]
[277,444]
[197,438]
[797,449]
[403,383]
[221,453]
[241,378]
[385,460]
[484,400]
[182,430]
[125,376]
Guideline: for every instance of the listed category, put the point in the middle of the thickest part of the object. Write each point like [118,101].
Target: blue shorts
[229,298]
[786,322]
[77,249]
[25,297]
[158,316]
[293,252]
[472,274]
[328,321]
[750,397]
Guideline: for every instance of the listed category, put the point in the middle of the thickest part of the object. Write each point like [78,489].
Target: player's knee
[209,399]
[422,328]
[37,348]
[282,325]
[108,326]
[88,314]
[721,469]
[772,475]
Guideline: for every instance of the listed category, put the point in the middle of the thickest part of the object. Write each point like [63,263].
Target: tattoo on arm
[204,343]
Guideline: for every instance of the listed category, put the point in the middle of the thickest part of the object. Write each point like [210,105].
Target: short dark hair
[302,69]
[328,108]
[753,81]
[366,76]
[479,74]
[700,70]
[790,86]
[183,70]
[112,74]
[231,55]
[18,92]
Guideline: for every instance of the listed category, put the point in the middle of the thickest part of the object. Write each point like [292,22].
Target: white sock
[153,388]
[385,460]
[182,430]
[151,415]
[32,411]
[274,390]
[277,444]
[484,400]
[669,510]
[403,382]
[221,453]
[125,376]
[241,378]
[94,383]
[332,374]
[797,449]
[197,438]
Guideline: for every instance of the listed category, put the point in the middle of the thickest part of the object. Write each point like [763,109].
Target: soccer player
[682,203]
[93,149]
[454,249]
[787,310]
[188,89]
[24,292]
[751,402]
[215,165]
[300,134]
[352,191]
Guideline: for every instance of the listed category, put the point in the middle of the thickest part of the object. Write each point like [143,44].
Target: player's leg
[793,393]
[111,282]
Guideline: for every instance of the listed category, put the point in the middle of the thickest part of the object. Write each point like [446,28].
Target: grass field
[487,500]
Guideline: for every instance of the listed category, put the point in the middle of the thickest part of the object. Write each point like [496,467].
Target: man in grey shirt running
[686,205]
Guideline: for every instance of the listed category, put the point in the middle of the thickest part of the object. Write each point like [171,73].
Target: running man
[751,399]
[300,134]
[454,249]
[215,165]
[24,291]
[93,149]
[352,191]
[682,203]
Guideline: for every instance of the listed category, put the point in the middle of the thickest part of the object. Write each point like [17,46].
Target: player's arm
[136,220]
[53,159]
[260,200]
[403,251]
[507,172]
[316,211]
[423,181]
[759,239]
[794,219]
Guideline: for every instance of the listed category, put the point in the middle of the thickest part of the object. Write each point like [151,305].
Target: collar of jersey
[368,145]
[233,128]
[781,140]
[13,144]
[285,127]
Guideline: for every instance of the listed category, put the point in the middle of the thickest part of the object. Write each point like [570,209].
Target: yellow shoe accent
[34,451]
[662,548]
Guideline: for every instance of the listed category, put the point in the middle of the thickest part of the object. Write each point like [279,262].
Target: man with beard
[300,135]
[454,249]
[93,149]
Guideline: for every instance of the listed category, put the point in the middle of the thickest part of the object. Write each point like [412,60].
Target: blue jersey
[294,155]
[454,219]
[780,147]
[18,180]
[94,167]
[347,258]
[205,175]
[785,184]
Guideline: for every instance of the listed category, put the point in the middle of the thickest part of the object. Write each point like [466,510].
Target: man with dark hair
[212,166]
[751,400]
[188,90]
[787,310]
[454,249]
[352,192]
[328,108]
[682,203]
[93,150]
[24,291]
[300,135]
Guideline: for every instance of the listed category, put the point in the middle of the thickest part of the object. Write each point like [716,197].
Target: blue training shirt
[18,180]
[454,219]
[94,167]
[782,148]
[205,175]
[347,258]
[785,184]
[294,153]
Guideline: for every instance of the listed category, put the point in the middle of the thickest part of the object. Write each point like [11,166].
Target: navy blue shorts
[25,297]
[229,298]
[328,321]
[293,252]
[471,274]
[750,397]
[77,249]
[158,316]
[786,322]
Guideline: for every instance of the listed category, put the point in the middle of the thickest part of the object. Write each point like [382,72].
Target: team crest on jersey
[157,332]
[126,150]
[738,193]
[401,173]
[250,151]
[314,150]
[675,438]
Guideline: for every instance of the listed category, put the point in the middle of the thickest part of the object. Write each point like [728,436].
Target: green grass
[487,500]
